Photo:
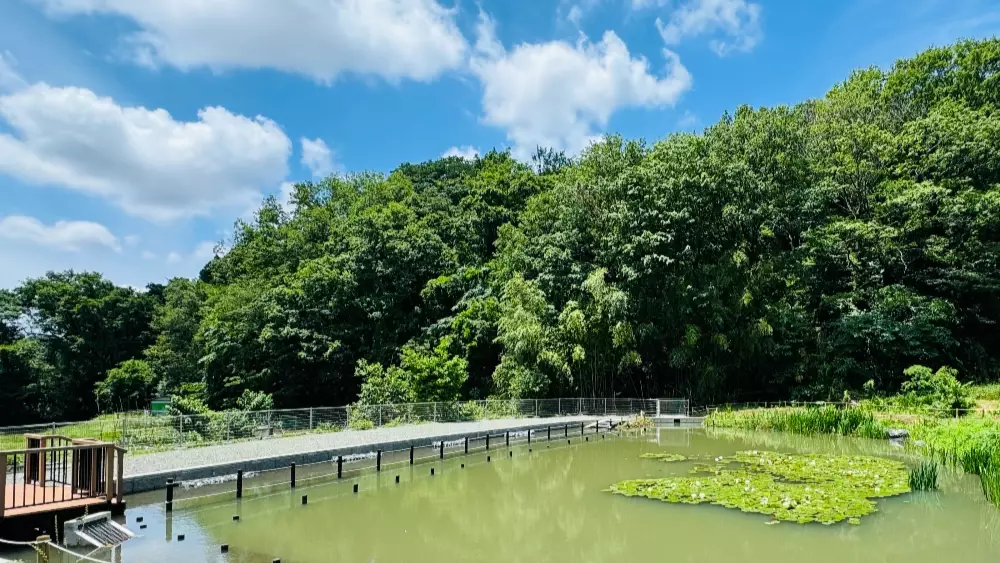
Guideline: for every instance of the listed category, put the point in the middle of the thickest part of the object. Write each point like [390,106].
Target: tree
[127,387]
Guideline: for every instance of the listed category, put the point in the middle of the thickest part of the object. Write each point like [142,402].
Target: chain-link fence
[148,432]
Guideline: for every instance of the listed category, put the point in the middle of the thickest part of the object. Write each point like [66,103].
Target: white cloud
[688,120]
[205,251]
[317,157]
[393,39]
[467,152]
[10,80]
[61,235]
[737,19]
[558,94]
[143,160]
[285,193]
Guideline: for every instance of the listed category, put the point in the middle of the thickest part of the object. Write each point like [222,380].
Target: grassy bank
[970,443]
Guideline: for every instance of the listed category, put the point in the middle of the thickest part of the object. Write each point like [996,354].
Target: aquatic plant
[924,476]
[664,457]
[828,419]
[793,488]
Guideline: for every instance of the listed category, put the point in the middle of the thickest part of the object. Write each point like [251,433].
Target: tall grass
[987,392]
[924,476]
[971,443]
[849,421]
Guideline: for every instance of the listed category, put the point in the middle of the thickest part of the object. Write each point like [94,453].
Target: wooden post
[487,441]
[340,466]
[120,482]
[93,472]
[239,483]
[292,469]
[3,484]
[378,460]
[43,553]
[506,437]
[109,472]
[441,456]
[548,432]
[466,444]
[411,454]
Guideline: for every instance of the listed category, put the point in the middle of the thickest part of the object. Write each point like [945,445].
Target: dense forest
[786,252]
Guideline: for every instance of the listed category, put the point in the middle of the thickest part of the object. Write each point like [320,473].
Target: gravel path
[244,451]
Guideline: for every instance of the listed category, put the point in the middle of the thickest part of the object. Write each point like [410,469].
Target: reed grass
[924,476]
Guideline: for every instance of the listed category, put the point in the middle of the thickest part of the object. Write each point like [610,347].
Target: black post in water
[441,454]
[170,495]
[239,483]
[397,479]
[340,466]
[506,438]
[581,429]
[355,488]
[411,454]
[487,441]
[548,433]
[565,430]
[378,460]
[466,444]
[529,435]
[305,499]
[293,474]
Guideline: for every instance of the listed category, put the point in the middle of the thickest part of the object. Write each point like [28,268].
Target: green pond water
[551,505]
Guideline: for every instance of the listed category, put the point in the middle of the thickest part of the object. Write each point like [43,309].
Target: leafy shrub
[128,386]
[938,390]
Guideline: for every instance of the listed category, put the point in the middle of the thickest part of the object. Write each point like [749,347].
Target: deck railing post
[3,484]
[44,554]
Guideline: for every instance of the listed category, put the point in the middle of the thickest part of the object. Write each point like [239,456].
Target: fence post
[124,418]
[605,405]
[657,408]
[380,415]
[310,418]
[559,407]
[536,408]
[435,412]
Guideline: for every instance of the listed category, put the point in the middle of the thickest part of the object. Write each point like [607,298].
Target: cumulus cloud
[317,157]
[739,20]
[61,235]
[143,160]
[467,152]
[559,94]
[322,39]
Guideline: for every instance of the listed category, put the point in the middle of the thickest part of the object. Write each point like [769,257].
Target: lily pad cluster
[664,457]
[793,488]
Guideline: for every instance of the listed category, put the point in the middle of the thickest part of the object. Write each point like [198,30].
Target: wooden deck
[35,499]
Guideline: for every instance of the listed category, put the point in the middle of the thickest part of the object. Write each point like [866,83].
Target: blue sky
[133,133]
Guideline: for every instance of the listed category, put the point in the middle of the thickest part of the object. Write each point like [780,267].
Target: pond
[551,505]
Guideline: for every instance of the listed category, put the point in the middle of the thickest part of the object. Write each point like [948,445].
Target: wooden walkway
[35,499]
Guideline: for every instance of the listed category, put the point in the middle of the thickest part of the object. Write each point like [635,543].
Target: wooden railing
[56,469]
